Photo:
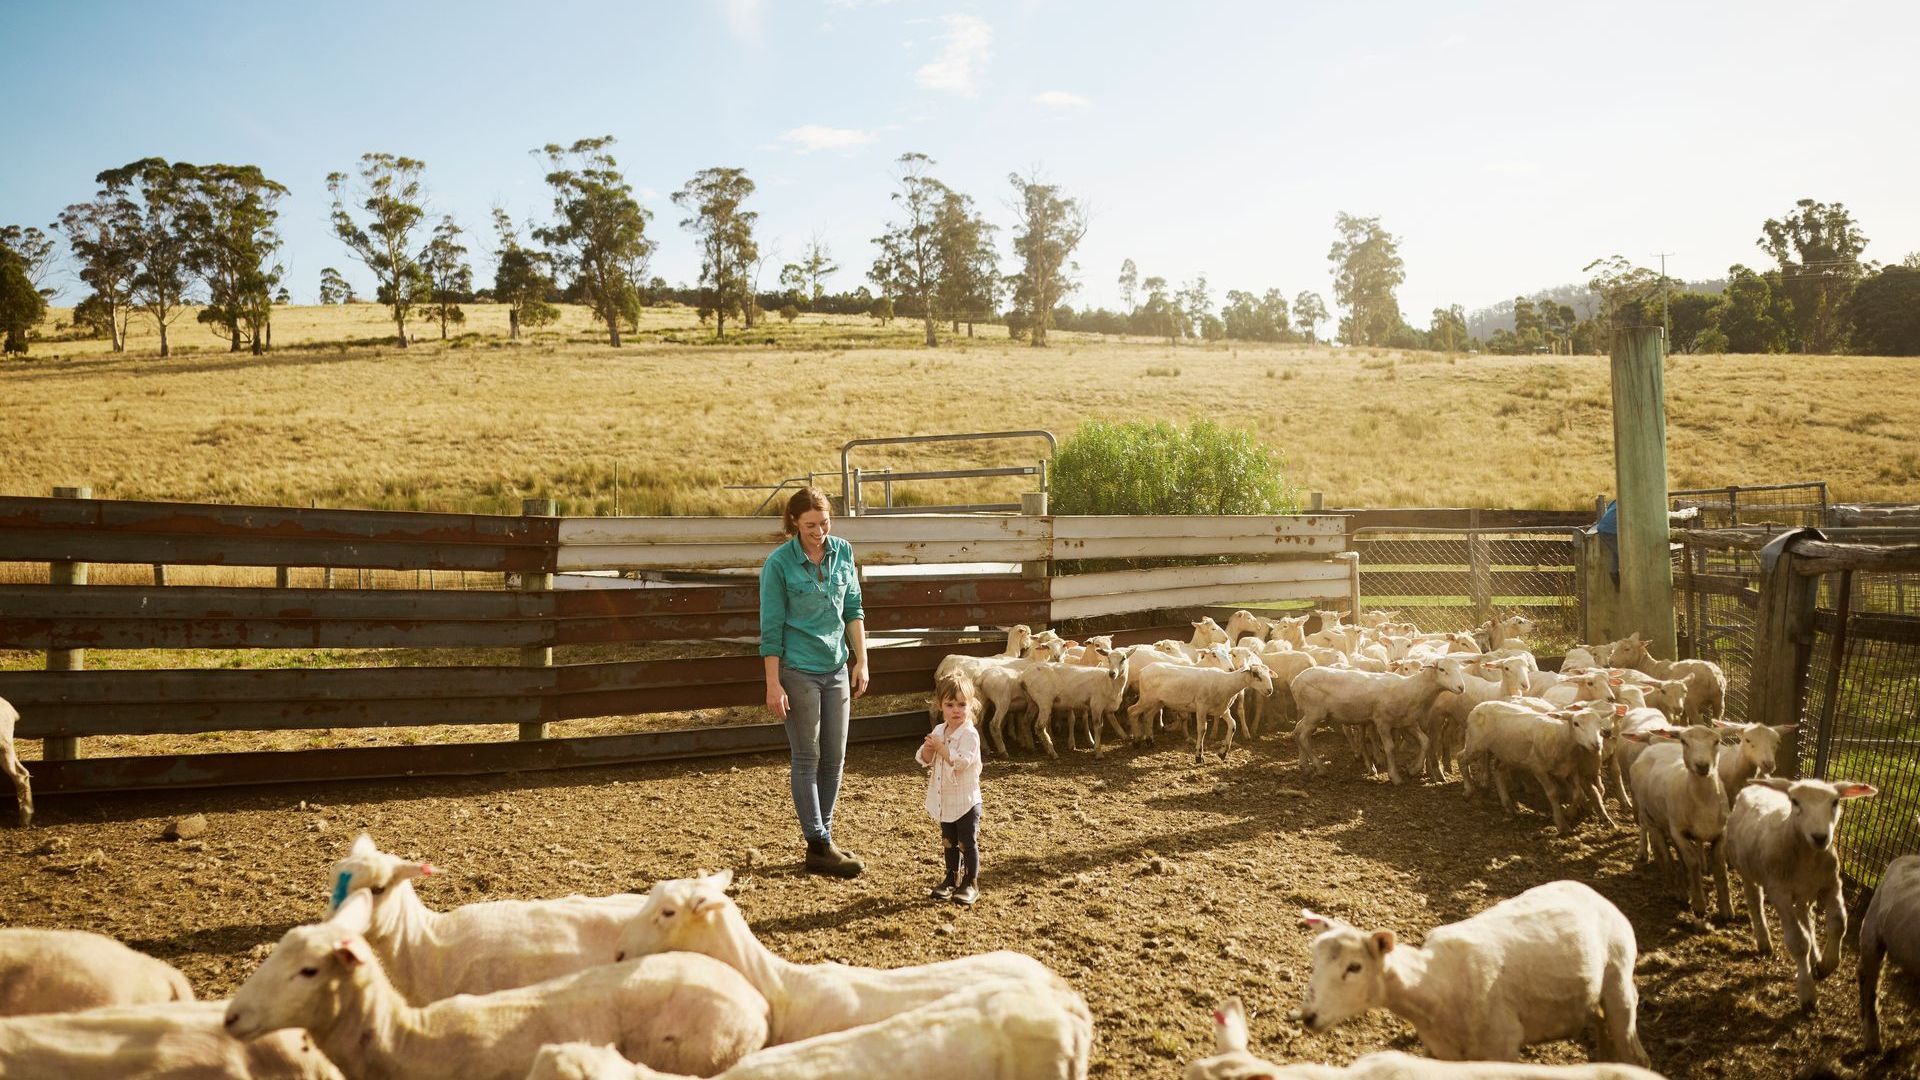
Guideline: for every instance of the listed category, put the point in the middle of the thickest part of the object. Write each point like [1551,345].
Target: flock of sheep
[674,982]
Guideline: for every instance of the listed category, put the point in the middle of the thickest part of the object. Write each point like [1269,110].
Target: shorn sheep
[479,948]
[1891,927]
[1678,800]
[50,971]
[10,761]
[1003,1030]
[179,1041]
[1539,966]
[684,1013]
[1781,839]
[1388,702]
[695,915]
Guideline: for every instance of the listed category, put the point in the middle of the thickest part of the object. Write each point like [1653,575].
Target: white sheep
[1447,723]
[1595,684]
[1677,799]
[682,1012]
[1072,688]
[1542,965]
[1891,927]
[1290,630]
[1231,1061]
[1020,641]
[1091,653]
[1782,838]
[1005,1030]
[1753,756]
[1562,751]
[696,915]
[1706,682]
[1387,701]
[10,761]
[477,948]
[1204,692]
[176,1041]
[51,971]
[1244,622]
[1001,696]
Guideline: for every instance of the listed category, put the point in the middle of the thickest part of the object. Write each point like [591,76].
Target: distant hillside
[1482,322]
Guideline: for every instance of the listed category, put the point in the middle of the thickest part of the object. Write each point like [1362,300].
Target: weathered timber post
[1782,643]
[66,747]
[1640,470]
[1352,559]
[1033,504]
[1479,574]
[536,655]
[1316,501]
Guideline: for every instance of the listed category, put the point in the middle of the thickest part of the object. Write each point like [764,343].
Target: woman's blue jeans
[817,712]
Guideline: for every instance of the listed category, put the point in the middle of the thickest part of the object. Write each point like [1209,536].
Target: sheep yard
[1151,884]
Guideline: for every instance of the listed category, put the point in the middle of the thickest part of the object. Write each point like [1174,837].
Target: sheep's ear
[1786,729]
[1637,736]
[1666,735]
[721,881]
[1381,941]
[1722,725]
[1777,783]
[363,845]
[1853,789]
[1620,710]
[351,952]
[1616,681]
[1311,920]
[409,870]
[355,913]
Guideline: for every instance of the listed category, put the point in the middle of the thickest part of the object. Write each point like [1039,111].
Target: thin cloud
[810,137]
[967,45]
[743,17]
[1061,99]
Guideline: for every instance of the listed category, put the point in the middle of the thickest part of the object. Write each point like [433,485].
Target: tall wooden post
[1034,504]
[1640,470]
[536,655]
[1783,644]
[66,747]
[1479,572]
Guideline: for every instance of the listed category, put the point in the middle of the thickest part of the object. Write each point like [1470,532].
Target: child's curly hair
[956,686]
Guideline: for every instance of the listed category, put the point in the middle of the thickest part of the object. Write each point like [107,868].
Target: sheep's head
[676,916]
[1630,652]
[1244,622]
[1814,805]
[1207,632]
[1450,674]
[1699,745]
[582,1061]
[368,869]
[1349,971]
[1590,728]
[1759,744]
[1668,695]
[300,985]
[1515,626]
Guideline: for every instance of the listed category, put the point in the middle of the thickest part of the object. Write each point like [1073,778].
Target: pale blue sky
[1507,144]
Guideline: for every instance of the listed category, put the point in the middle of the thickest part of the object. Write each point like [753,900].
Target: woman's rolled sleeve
[773,610]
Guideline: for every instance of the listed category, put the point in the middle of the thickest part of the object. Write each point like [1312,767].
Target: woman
[814,640]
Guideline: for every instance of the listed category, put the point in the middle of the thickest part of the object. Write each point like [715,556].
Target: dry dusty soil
[1153,885]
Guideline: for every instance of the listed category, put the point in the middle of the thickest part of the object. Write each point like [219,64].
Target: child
[953,788]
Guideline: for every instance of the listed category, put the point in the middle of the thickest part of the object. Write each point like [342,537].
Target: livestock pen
[1152,884]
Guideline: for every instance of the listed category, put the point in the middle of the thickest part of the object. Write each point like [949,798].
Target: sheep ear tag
[340,883]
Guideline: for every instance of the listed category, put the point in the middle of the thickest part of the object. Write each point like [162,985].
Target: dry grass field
[334,417]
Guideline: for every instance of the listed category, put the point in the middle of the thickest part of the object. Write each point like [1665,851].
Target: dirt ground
[1152,884]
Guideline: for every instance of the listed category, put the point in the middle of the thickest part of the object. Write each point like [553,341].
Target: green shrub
[1159,468]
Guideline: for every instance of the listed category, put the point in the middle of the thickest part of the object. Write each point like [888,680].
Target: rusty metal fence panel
[1456,579]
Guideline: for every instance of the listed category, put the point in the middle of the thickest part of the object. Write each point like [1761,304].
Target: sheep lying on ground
[1542,965]
[1677,800]
[179,1041]
[1231,1061]
[682,1012]
[479,948]
[51,971]
[10,761]
[1891,927]
[1004,1030]
[1781,837]
[696,915]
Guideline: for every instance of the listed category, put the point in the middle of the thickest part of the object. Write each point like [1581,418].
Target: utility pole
[1666,313]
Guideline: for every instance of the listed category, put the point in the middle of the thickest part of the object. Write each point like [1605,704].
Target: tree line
[159,238]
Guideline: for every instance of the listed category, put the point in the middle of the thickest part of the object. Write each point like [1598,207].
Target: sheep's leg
[1619,785]
[1562,821]
[1620,1001]
[1199,734]
[22,784]
[1872,951]
[1717,858]
[1833,918]
[1227,747]
[994,727]
[1303,736]
[1145,709]
[1043,727]
[1500,785]
[1693,858]
[1800,949]
[1757,916]
[1599,801]
[1385,734]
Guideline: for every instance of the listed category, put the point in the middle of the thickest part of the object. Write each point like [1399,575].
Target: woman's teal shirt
[804,609]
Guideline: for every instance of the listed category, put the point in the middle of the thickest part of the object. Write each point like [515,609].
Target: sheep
[1202,691]
[1891,927]
[477,948]
[1781,838]
[1593,685]
[1677,798]
[1447,723]
[1096,691]
[1539,966]
[1284,665]
[1332,634]
[1231,1061]
[1706,682]
[10,761]
[1506,633]
[1377,618]
[174,1041]
[1244,622]
[1561,749]
[1020,642]
[1753,756]
[1007,1029]
[52,971]
[1290,630]
[1092,653]
[1000,693]
[1385,700]
[696,915]
[683,1012]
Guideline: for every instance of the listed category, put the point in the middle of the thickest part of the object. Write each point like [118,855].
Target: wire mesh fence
[1862,718]
[1716,577]
[1456,579]
[1734,507]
